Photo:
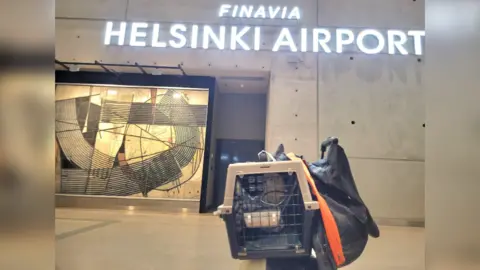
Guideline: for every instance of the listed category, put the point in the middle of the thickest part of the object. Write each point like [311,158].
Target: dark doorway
[229,152]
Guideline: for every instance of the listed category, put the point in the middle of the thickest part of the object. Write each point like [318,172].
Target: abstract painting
[127,141]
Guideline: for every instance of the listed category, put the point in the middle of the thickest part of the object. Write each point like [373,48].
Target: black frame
[148,80]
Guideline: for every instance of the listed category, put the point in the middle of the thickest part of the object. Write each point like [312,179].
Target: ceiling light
[111,92]
[74,68]
[157,72]
[241,85]
[177,95]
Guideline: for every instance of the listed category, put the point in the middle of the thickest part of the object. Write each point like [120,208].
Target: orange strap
[331,228]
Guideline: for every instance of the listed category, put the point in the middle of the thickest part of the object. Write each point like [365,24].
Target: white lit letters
[138,31]
[237,38]
[285,39]
[417,37]
[109,33]
[344,37]
[327,36]
[209,34]
[396,42]
[259,12]
[374,33]
[177,31]
[246,38]
[155,37]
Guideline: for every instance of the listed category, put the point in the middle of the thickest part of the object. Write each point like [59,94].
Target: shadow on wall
[371,68]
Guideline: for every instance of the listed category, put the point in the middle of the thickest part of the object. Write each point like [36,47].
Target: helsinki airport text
[261,38]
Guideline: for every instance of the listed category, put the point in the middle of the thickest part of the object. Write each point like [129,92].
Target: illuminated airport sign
[260,12]
[252,38]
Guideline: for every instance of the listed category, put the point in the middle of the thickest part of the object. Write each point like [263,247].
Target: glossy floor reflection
[98,240]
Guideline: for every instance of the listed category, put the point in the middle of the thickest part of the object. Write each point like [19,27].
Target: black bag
[334,180]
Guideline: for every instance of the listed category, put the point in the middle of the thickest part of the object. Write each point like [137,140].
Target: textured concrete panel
[292,105]
[375,104]
[300,139]
[372,13]
[292,102]
[92,9]
[294,66]
[391,189]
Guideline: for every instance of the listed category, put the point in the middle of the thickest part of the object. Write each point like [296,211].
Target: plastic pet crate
[268,210]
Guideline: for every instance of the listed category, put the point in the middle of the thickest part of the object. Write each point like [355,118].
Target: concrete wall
[311,96]
[241,116]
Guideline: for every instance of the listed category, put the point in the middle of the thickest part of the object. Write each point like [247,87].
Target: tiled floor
[98,240]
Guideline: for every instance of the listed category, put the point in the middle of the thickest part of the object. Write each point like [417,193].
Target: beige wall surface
[311,96]
[453,136]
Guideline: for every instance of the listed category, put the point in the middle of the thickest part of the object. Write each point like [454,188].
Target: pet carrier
[270,213]
[268,210]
